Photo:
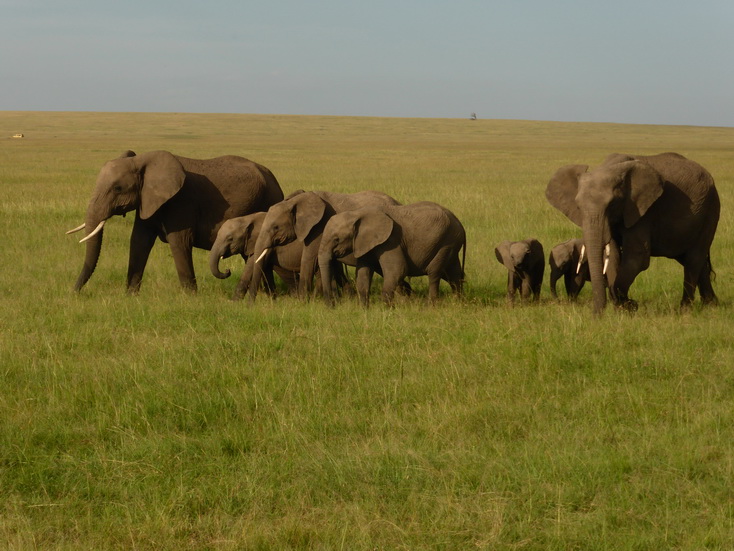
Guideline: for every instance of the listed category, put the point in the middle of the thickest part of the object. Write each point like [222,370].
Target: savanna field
[171,420]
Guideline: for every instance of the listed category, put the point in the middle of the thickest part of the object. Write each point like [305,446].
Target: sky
[640,61]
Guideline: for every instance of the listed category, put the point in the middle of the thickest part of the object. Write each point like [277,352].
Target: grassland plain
[178,421]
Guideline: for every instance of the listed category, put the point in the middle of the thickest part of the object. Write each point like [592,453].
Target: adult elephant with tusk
[659,205]
[182,201]
[302,216]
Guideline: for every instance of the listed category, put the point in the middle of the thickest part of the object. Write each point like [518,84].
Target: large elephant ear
[372,228]
[562,189]
[309,211]
[502,252]
[645,187]
[162,176]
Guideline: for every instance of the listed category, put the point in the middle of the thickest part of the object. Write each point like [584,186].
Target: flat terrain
[178,421]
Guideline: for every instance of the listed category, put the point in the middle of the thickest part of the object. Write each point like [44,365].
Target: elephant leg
[630,266]
[244,282]
[181,244]
[513,282]
[309,263]
[704,284]
[141,243]
[364,282]
[454,276]
[697,273]
[525,287]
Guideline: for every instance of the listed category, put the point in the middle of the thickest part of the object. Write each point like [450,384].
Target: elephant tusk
[259,258]
[581,258]
[607,250]
[80,228]
[95,232]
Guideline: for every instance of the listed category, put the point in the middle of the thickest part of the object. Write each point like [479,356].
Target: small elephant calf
[238,236]
[525,263]
[565,260]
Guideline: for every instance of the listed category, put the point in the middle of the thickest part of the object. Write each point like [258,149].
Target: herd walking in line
[630,208]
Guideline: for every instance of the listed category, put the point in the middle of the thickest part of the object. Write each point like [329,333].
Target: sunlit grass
[171,420]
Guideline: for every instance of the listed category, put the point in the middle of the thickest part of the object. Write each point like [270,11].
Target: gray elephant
[237,236]
[179,200]
[398,241]
[525,263]
[302,216]
[660,205]
[566,261]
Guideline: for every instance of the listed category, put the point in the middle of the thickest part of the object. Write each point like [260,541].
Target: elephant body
[398,241]
[525,263]
[660,205]
[565,262]
[302,216]
[237,236]
[179,200]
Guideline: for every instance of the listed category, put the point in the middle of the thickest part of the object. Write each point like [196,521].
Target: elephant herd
[629,209]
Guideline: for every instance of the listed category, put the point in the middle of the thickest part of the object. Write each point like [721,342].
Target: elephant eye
[117,188]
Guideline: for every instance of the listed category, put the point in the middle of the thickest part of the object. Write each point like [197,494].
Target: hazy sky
[638,61]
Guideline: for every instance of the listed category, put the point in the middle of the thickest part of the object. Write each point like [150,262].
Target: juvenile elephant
[398,241]
[525,263]
[565,261]
[660,205]
[237,236]
[179,200]
[302,216]
[569,260]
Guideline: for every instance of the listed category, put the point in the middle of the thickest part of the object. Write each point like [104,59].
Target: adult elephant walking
[660,205]
[302,216]
[179,200]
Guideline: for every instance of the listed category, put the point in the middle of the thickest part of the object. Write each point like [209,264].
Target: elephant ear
[162,177]
[309,211]
[250,237]
[562,189]
[502,252]
[372,228]
[645,187]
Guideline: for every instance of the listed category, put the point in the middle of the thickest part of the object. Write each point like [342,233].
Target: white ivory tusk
[95,232]
[606,263]
[259,258]
[581,258]
[80,228]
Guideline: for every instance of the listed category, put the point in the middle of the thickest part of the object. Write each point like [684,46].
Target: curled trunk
[215,255]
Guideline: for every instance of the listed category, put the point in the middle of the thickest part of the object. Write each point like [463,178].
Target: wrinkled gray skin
[302,217]
[660,205]
[525,263]
[399,241]
[237,236]
[181,201]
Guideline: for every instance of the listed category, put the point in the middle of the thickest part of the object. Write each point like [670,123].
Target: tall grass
[178,421]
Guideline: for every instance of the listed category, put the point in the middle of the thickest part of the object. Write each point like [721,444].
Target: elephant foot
[628,305]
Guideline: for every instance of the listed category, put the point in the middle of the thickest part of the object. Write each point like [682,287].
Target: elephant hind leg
[697,273]
[454,276]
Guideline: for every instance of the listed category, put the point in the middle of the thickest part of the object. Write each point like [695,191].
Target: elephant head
[295,218]
[604,202]
[130,182]
[235,236]
[351,233]
[514,255]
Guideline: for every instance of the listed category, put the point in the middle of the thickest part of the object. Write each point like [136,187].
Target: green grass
[178,421]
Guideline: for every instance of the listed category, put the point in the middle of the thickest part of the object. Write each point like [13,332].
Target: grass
[177,421]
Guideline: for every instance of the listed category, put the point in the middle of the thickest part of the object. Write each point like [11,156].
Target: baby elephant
[238,236]
[566,261]
[525,263]
[398,241]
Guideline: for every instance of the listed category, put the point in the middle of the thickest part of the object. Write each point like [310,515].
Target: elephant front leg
[181,244]
[364,282]
[141,242]
[309,262]
[631,264]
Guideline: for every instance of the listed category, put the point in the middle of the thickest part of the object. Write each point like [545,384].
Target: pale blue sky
[629,61]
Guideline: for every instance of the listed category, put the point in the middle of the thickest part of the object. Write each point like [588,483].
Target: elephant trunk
[263,245]
[326,260]
[554,276]
[595,239]
[217,253]
[93,249]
